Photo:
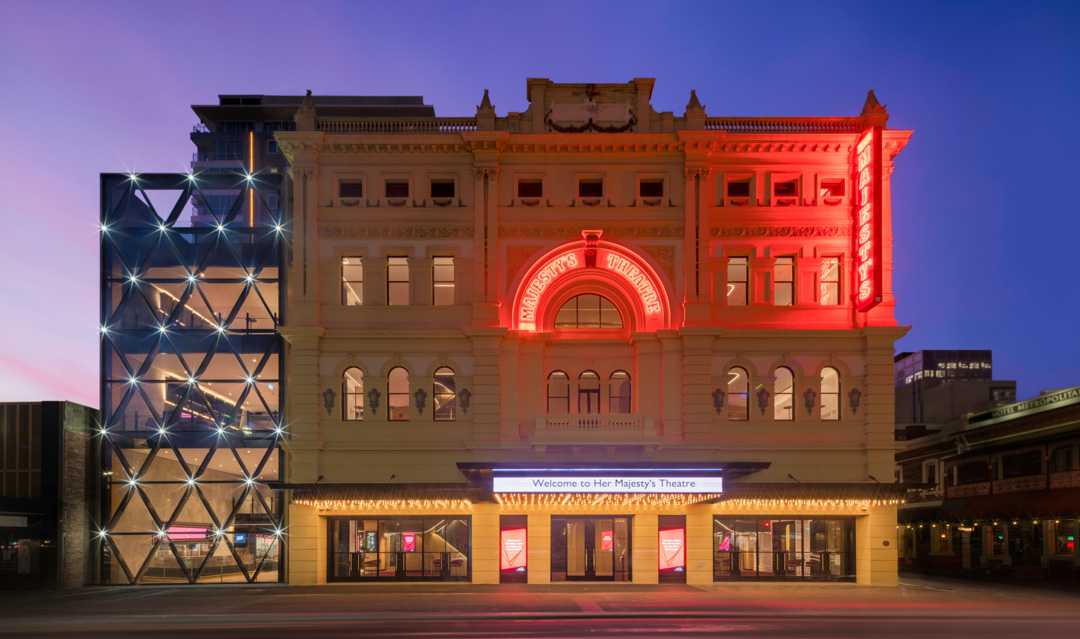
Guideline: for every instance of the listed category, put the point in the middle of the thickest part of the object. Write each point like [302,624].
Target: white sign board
[607,484]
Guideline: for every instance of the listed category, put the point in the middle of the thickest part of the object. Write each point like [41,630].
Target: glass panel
[830,394]
[737,280]
[738,394]
[783,394]
[352,395]
[352,281]
[445,395]
[398,396]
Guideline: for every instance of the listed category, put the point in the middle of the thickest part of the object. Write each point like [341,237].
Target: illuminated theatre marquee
[641,281]
[868,220]
[607,484]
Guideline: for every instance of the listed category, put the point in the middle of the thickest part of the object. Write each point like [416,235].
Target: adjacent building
[999,496]
[48,484]
[586,341]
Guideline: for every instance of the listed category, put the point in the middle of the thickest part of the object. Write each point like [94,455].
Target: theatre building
[588,341]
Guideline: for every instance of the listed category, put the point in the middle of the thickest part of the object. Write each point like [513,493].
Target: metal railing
[783,125]
[396,125]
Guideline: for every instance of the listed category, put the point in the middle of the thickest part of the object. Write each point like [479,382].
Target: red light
[672,549]
[607,540]
[408,542]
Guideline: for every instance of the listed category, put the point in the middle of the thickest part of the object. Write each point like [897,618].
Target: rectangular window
[738,280]
[397,281]
[397,188]
[930,471]
[651,188]
[786,192]
[350,188]
[1025,464]
[442,189]
[972,472]
[784,548]
[591,187]
[442,278]
[398,548]
[352,281]
[1065,532]
[831,191]
[829,284]
[738,192]
[784,281]
[271,146]
[1061,459]
[530,188]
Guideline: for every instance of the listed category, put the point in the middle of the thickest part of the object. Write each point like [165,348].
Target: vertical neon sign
[868,220]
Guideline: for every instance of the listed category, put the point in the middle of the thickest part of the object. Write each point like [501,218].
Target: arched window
[588,393]
[558,393]
[738,394]
[588,311]
[352,395]
[830,394]
[619,392]
[783,394]
[445,395]
[397,400]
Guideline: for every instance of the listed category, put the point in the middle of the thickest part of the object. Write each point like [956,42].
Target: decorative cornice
[633,231]
[396,231]
[837,230]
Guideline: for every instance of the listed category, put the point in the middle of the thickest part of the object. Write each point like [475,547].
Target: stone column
[698,414]
[485,543]
[486,387]
[699,544]
[644,541]
[539,548]
[305,562]
[303,402]
[875,547]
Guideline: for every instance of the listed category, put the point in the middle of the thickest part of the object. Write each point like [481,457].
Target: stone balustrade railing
[784,125]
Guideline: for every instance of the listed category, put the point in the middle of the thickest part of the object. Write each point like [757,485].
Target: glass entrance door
[590,548]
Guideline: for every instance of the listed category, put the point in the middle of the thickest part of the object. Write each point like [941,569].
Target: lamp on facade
[373,399]
[854,397]
[809,399]
[464,397]
[762,399]
[718,400]
[420,399]
[328,400]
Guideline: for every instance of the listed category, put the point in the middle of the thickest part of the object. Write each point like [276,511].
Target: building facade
[47,494]
[590,341]
[935,389]
[999,497]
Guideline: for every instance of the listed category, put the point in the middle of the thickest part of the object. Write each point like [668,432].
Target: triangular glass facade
[192,379]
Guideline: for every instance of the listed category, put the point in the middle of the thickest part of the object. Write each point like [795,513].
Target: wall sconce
[419,399]
[328,400]
[373,400]
[809,398]
[463,397]
[854,397]
[718,400]
[762,399]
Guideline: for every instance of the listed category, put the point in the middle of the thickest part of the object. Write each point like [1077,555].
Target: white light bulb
[104,227]
[190,481]
[249,380]
[161,227]
[249,278]
[162,431]
[191,278]
[279,228]
[133,380]
[278,532]
[191,381]
[191,176]
[133,176]
[220,227]
[162,328]
[221,431]
[104,329]
[133,278]
[102,534]
[132,481]
[220,328]
[162,533]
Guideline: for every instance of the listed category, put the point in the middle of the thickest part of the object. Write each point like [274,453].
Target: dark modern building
[998,496]
[936,388]
[47,488]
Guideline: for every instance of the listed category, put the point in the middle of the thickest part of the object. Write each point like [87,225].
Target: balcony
[626,429]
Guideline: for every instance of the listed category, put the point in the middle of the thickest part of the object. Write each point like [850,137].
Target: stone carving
[570,232]
[762,399]
[396,231]
[782,231]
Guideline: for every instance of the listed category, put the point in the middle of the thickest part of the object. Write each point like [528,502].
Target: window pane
[397,281]
[397,188]
[783,394]
[445,395]
[590,188]
[737,280]
[651,188]
[353,395]
[442,188]
[530,188]
[443,281]
[352,281]
[398,391]
[588,311]
[784,281]
[738,394]
[350,189]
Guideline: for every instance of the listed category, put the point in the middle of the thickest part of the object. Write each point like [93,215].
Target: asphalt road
[923,609]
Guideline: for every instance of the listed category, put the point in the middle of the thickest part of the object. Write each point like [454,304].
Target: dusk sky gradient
[985,198]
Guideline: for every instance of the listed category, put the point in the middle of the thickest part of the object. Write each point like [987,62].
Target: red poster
[672,549]
[408,542]
[607,540]
[514,549]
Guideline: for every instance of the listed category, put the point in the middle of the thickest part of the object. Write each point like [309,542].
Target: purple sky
[986,213]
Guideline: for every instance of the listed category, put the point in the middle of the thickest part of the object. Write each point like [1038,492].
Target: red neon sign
[630,272]
[868,220]
[513,549]
[672,549]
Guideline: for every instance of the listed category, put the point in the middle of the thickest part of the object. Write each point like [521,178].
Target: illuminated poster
[672,549]
[408,542]
[514,550]
[867,273]
[607,540]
